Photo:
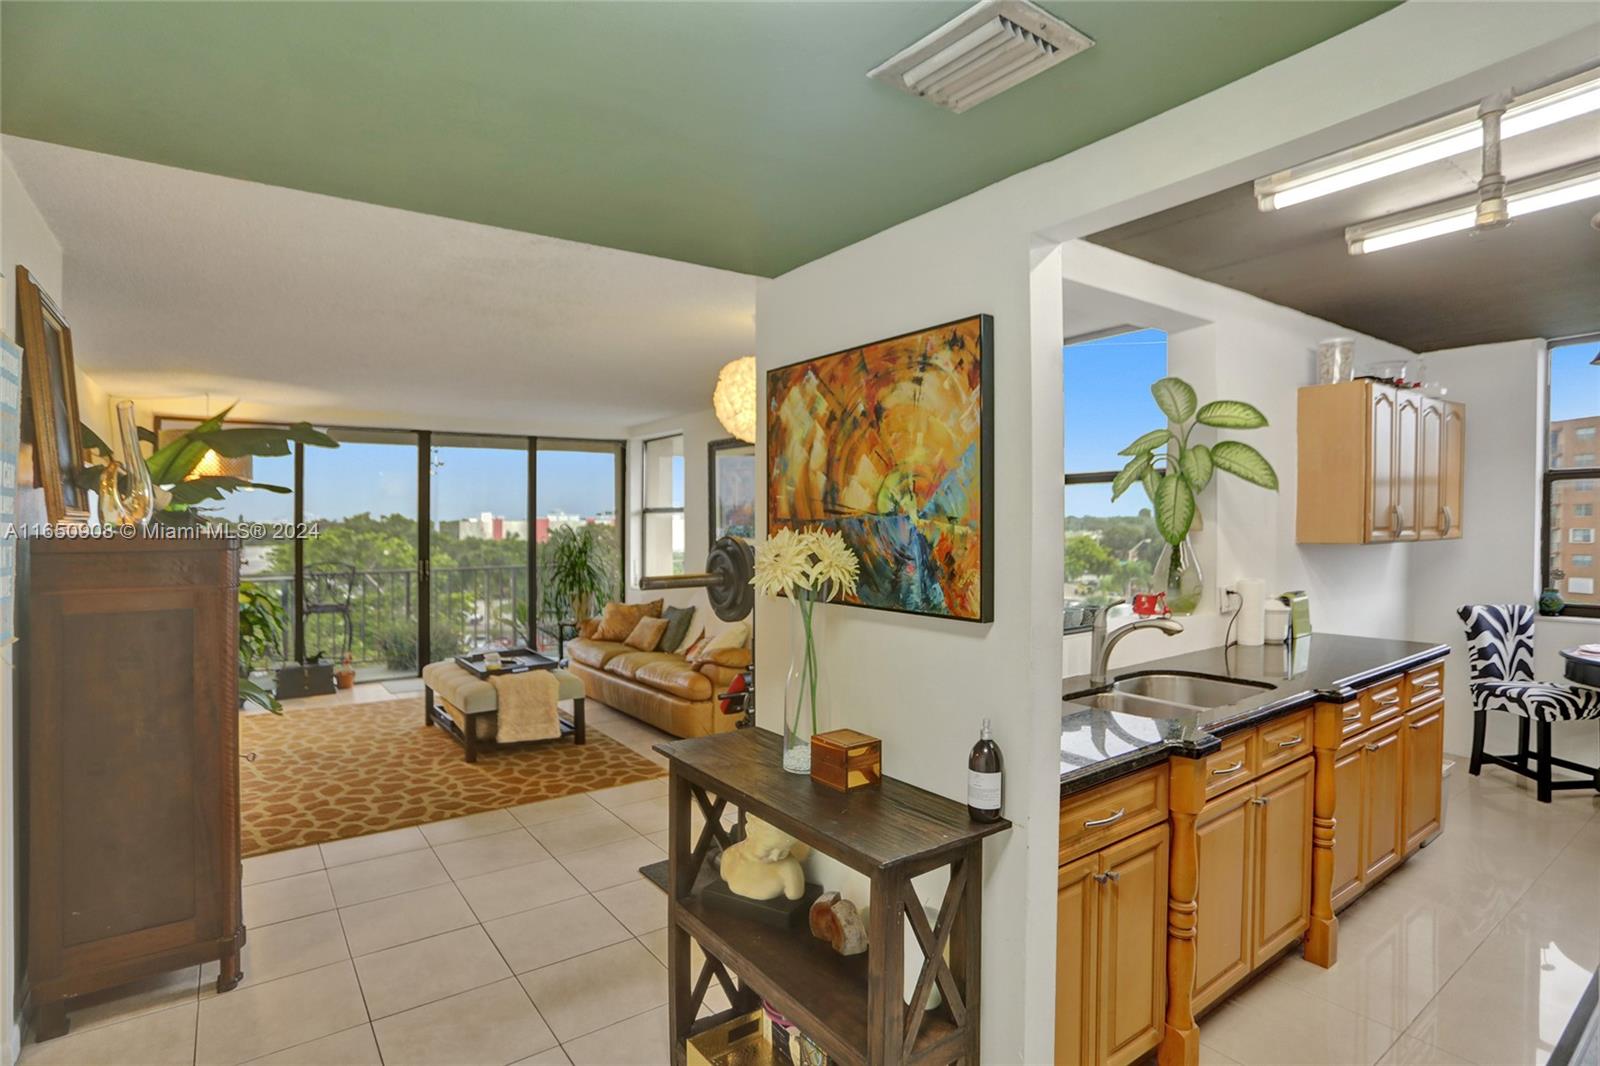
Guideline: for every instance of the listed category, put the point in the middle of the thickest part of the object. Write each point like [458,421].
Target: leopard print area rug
[327,773]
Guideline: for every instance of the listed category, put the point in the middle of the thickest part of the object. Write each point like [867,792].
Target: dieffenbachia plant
[1173,476]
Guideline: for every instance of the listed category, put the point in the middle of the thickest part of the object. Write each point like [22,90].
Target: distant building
[492,527]
[1574,443]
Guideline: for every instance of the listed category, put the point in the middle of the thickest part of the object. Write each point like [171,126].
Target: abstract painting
[890,444]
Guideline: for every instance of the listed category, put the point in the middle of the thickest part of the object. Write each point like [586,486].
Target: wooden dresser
[127,732]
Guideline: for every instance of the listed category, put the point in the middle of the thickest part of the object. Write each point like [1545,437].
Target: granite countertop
[1098,745]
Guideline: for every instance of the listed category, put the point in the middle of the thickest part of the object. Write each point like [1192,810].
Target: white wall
[1497,558]
[983,254]
[1233,346]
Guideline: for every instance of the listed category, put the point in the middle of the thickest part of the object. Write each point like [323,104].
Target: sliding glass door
[360,589]
[479,584]
[578,497]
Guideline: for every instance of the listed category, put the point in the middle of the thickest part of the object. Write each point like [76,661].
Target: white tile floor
[509,937]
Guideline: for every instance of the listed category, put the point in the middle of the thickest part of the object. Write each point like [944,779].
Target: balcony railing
[471,606]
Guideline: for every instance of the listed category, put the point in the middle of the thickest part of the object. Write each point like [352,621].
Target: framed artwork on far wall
[50,384]
[891,444]
[731,478]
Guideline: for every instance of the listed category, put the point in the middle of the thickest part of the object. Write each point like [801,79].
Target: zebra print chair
[1500,658]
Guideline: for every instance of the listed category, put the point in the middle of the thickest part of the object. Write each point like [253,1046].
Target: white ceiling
[181,284]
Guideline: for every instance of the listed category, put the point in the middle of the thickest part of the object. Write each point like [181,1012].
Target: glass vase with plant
[810,567]
[262,625]
[1173,471]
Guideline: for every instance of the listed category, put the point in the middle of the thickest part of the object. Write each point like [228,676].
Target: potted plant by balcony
[262,624]
[577,573]
[1173,471]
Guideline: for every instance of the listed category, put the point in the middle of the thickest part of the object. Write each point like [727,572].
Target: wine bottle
[985,778]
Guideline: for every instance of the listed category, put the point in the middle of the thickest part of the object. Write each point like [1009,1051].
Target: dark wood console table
[854,1007]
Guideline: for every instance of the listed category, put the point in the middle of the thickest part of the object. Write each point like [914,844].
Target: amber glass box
[844,759]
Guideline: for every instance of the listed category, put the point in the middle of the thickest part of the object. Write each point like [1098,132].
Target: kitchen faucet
[1100,645]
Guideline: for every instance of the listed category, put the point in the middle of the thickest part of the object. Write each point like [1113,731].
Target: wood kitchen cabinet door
[1224,841]
[1382,484]
[1349,821]
[1077,939]
[1421,800]
[1430,472]
[1453,464]
[1133,947]
[1281,863]
[1407,433]
[1383,840]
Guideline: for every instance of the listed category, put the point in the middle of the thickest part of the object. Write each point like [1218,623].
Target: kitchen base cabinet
[1422,797]
[1225,840]
[1111,951]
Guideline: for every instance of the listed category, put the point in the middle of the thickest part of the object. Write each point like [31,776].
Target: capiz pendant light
[734,399]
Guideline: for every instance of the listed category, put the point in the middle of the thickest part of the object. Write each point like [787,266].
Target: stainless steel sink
[1126,703]
[1190,690]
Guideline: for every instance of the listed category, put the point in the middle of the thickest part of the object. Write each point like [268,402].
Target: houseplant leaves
[1147,443]
[1230,414]
[1129,474]
[1243,461]
[1196,465]
[1174,507]
[1176,399]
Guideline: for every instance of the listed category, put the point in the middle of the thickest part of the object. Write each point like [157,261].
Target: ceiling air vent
[981,53]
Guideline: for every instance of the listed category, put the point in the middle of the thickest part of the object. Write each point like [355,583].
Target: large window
[661,553]
[1569,480]
[1111,546]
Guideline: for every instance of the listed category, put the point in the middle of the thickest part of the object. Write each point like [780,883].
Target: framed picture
[731,478]
[51,386]
[892,445]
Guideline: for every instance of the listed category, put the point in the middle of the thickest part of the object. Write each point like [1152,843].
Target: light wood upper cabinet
[1377,464]
[1455,448]
[1430,472]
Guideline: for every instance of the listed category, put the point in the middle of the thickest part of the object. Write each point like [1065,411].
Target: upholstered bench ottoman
[466,707]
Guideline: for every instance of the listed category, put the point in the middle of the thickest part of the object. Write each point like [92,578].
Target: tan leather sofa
[661,688]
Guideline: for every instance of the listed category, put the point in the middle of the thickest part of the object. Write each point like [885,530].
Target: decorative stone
[837,921]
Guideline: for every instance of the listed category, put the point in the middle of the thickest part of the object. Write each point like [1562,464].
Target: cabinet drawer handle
[1261,801]
[1374,747]
[1226,770]
[1388,701]
[1096,823]
[1431,683]
[1354,715]
[1108,876]
[1449,518]
[1291,742]
[1419,725]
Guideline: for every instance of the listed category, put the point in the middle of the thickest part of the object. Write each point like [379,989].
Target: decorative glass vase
[1178,575]
[805,690]
[127,497]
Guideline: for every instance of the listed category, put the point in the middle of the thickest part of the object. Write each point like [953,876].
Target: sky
[1105,395]
[1574,383]
[381,479]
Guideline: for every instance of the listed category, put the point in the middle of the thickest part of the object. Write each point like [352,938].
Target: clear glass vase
[1178,575]
[127,497]
[805,690]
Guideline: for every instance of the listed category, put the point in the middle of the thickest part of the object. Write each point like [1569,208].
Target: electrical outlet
[1227,600]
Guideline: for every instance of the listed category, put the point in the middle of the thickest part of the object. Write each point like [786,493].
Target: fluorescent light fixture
[1538,193]
[1454,134]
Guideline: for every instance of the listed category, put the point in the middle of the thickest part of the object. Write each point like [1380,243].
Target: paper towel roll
[1252,610]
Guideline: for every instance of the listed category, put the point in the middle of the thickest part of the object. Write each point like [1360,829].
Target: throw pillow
[693,649]
[618,620]
[734,636]
[678,619]
[646,634]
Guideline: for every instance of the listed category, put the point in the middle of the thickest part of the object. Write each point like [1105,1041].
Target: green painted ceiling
[736,135]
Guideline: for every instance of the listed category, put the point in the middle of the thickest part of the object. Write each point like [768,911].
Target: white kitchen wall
[1497,558]
[1233,346]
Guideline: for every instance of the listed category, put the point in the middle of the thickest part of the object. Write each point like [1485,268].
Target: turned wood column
[1180,1042]
[1322,937]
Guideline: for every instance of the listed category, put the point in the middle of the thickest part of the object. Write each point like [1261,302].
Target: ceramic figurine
[1550,602]
[765,863]
[837,921]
